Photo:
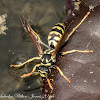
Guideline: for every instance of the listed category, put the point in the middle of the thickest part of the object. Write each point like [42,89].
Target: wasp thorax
[47,58]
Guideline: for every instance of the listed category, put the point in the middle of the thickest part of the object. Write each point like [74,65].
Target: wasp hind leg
[75,28]
[28,61]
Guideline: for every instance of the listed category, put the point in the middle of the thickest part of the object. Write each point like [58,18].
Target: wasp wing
[33,35]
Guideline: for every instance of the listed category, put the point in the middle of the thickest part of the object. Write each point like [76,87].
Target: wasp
[48,57]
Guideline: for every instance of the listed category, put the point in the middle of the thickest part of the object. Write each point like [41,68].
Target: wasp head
[44,71]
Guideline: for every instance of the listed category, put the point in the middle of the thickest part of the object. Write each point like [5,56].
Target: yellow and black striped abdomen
[55,34]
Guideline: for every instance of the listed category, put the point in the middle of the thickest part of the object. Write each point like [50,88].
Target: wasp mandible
[48,57]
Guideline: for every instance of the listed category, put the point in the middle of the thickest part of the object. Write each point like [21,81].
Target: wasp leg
[31,73]
[71,51]
[49,83]
[61,73]
[28,61]
[74,29]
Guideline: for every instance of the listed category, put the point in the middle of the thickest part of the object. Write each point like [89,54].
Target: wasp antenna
[49,83]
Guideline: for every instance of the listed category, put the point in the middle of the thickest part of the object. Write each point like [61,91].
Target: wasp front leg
[72,51]
[32,72]
[28,61]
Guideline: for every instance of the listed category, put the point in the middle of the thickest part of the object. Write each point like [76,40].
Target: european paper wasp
[48,57]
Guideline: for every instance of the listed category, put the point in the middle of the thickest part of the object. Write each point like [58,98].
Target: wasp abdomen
[55,34]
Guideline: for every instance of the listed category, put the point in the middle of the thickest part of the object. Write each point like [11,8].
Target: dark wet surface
[82,69]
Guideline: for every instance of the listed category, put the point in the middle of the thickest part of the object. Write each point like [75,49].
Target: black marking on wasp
[48,57]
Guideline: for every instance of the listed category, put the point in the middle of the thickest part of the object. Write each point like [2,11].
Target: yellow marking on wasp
[56,38]
[50,70]
[42,59]
[46,60]
[49,51]
[54,32]
[53,60]
[48,64]
[61,24]
[42,73]
[54,43]
[49,59]
[59,28]
[46,51]
[49,37]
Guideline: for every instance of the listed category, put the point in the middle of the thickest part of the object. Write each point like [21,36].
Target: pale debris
[91,8]
[91,72]
[69,12]
[85,81]
[94,81]
[50,97]
[2,24]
